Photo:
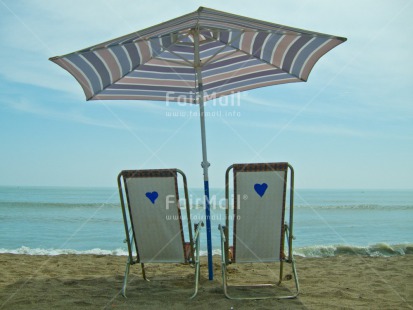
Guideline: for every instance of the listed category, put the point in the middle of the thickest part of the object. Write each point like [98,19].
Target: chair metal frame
[288,234]
[133,251]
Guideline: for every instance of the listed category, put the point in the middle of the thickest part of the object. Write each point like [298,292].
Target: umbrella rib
[261,60]
[192,64]
[186,35]
[226,45]
[174,61]
[134,68]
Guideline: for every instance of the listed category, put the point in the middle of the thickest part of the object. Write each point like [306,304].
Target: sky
[349,127]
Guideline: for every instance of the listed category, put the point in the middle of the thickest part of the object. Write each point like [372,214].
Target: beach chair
[153,222]
[258,231]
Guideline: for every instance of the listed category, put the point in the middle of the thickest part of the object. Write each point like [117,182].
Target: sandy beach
[94,282]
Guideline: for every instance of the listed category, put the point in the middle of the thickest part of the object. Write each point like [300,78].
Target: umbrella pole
[205,163]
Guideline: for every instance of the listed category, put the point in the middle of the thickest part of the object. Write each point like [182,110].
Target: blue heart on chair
[152,196]
[261,188]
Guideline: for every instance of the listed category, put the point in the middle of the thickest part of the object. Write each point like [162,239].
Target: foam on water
[355,207]
[375,250]
[52,252]
[54,221]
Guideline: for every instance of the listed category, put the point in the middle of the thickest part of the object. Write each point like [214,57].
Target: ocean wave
[357,207]
[53,252]
[214,252]
[375,250]
[116,205]
[36,204]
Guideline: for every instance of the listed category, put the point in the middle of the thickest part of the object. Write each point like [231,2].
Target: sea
[60,220]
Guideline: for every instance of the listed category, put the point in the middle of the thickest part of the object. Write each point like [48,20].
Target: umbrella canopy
[159,63]
[194,58]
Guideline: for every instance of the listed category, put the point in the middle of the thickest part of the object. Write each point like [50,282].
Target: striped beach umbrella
[194,58]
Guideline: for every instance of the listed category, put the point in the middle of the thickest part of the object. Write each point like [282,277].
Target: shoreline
[314,251]
[94,281]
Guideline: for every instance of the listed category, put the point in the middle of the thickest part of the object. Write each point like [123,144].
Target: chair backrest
[259,207]
[155,215]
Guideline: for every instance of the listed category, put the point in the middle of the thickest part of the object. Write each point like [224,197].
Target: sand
[94,282]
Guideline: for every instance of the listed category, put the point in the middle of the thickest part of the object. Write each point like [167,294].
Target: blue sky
[349,126]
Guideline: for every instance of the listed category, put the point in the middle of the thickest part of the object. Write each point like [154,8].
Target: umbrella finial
[200,9]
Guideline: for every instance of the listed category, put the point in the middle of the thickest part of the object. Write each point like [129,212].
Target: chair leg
[125,279]
[225,285]
[224,280]
[281,272]
[197,268]
[297,285]
[197,261]
[144,273]
[224,273]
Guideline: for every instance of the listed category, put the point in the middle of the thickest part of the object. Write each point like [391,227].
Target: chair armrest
[224,244]
[197,228]
[222,231]
[196,246]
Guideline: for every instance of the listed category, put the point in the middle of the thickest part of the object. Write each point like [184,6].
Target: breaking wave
[375,250]
[52,252]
